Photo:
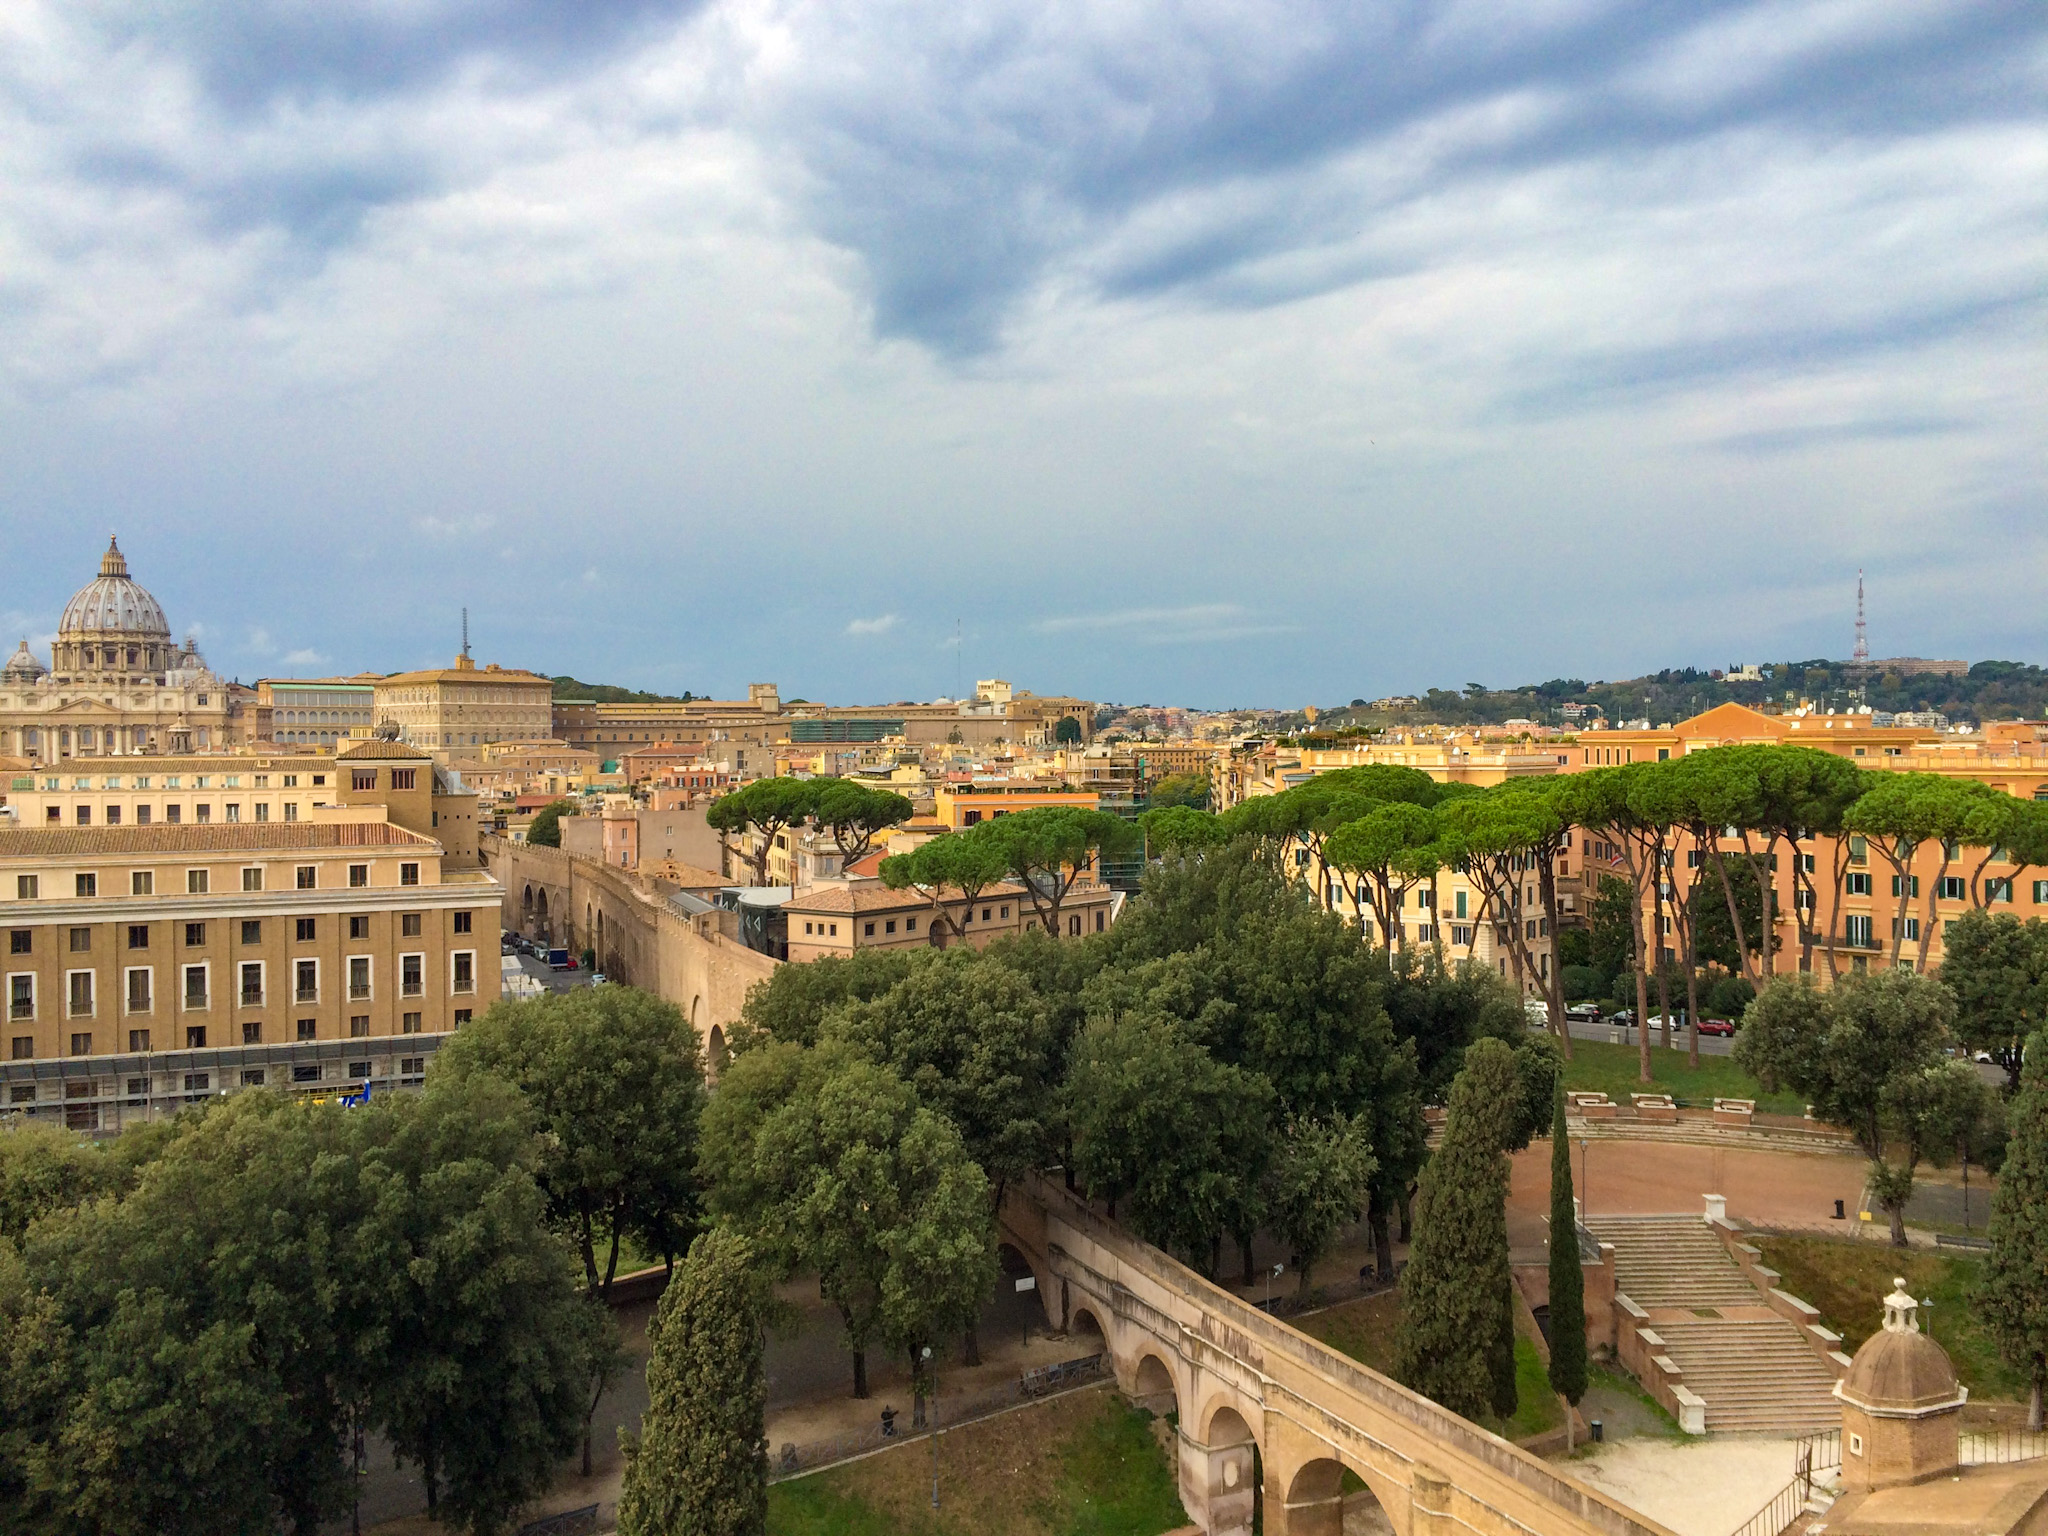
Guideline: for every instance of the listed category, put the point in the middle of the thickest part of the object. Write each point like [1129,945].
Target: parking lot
[554,981]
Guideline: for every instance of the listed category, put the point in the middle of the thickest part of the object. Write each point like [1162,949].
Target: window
[195,882]
[291,781]
[462,922]
[359,1069]
[405,778]
[309,1029]
[304,876]
[870,930]
[412,973]
[408,874]
[291,813]
[81,941]
[252,930]
[252,879]
[358,1026]
[306,981]
[252,1032]
[1099,921]
[1856,931]
[252,983]
[142,882]
[362,778]
[142,815]
[1954,888]
[465,971]
[202,813]
[1857,883]
[1910,928]
[198,1082]
[262,814]
[173,814]
[910,925]
[1998,888]
[412,1066]
[139,1000]
[358,976]
[1005,913]
[81,1045]
[2041,892]
[234,812]
[1900,888]
[195,986]
[409,1024]
[309,1074]
[358,874]
[889,926]
[359,927]
[138,935]
[253,1078]
[195,935]
[20,941]
[88,885]
[409,925]
[26,887]
[305,929]
[85,815]
[21,997]
[1859,849]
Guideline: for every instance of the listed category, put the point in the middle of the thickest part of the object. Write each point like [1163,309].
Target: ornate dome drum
[112,625]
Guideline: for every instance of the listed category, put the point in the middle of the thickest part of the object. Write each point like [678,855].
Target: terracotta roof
[490,674]
[873,896]
[232,837]
[374,750]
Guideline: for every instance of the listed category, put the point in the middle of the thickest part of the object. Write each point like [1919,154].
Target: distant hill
[606,693]
[1993,690]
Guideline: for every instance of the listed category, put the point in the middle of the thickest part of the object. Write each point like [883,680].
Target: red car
[1717,1026]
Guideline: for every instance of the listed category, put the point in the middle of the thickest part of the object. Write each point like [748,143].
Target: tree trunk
[2034,1394]
[970,1345]
[1635,929]
[1742,954]
[1897,1213]
[1404,1204]
[1554,988]
[1692,1002]
[860,1372]
[1382,1240]
[1657,948]
[1244,1249]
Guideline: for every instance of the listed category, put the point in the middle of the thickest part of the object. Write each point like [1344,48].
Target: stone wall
[640,940]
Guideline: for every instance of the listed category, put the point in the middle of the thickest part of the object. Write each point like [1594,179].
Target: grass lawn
[1364,1330]
[1613,1069]
[1086,1464]
[1849,1279]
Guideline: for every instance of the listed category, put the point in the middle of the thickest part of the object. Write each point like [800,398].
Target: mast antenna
[1861,654]
[465,624]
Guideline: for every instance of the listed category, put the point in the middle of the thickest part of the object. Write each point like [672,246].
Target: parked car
[1717,1026]
[1584,1012]
[1622,1016]
[1538,1011]
[1677,1021]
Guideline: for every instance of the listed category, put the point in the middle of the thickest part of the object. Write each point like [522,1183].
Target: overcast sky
[1196,352]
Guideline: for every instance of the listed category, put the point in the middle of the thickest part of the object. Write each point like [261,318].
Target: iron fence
[1983,1447]
[1815,1453]
[940,1413]
[1785,1506]
[570,1522]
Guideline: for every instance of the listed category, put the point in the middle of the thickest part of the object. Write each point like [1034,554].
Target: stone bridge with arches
[1271,1419]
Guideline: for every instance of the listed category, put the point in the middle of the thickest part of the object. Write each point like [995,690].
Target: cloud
[258,642]
[303,658]
[880,626]
[446,528]
[1141,618]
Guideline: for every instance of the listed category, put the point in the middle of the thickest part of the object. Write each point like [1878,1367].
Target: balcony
[252,997]
[359,991]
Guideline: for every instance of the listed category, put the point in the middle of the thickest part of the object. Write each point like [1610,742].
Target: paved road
[554,981]
[1623,1034]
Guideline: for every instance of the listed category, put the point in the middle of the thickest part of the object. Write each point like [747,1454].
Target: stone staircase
[1757,1372]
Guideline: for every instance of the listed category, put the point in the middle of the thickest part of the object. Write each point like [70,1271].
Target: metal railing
[1984,1447]
[570,1522]
[793,1460]
[1819,1452]
[1785,1506]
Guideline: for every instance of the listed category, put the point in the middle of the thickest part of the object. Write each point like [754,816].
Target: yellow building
[320,710]
[116,684]
[454,711]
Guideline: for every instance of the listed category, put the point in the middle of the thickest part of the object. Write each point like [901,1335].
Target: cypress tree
[1567,1281]
[1501,1358]
[699,1466]
[1455,1301]
[2014,1289]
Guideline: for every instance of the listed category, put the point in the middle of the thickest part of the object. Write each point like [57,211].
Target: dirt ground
[1696,1487]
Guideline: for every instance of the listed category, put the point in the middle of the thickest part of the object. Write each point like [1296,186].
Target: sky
[1210,353]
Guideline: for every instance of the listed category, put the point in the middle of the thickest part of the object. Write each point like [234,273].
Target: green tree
[43,1169]
[1175,831]
[1190,790]
[1320,1178]
[1377,850]
[950,872]
[829,1161]
[613,1074]
[2013,1290]
[1997,967]
[1048,850]
[1870,1055]
[1567,1279]
[699,1465]
[1173,1138]
[1901,812]
[1068,732]
[792,1003]
[545,830]
[855,813]
[1454,1297]
[767,806]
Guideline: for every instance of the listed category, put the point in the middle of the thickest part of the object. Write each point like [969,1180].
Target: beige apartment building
[865,914]
[454,711]
[322,936]
[325,711]
[117,684]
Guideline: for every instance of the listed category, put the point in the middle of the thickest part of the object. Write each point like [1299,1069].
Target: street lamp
[934,1431]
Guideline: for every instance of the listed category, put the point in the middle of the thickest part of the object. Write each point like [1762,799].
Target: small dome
[1899,1367]
[114,604]
[23,666]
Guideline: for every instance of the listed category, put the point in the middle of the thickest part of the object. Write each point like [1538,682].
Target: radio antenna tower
[465,618]
[1861,655]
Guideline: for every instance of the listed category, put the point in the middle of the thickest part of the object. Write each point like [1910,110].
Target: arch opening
[1327,1498]
[714,1053]
[1152,1386]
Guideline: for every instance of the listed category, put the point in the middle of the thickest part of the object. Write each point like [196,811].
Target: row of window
[252,1077]
[81,996]
[199,882]
[54,784]
[305,930]
[174,815]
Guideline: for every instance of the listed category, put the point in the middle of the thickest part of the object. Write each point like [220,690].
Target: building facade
[453,711]
[324,711]
[116,684]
